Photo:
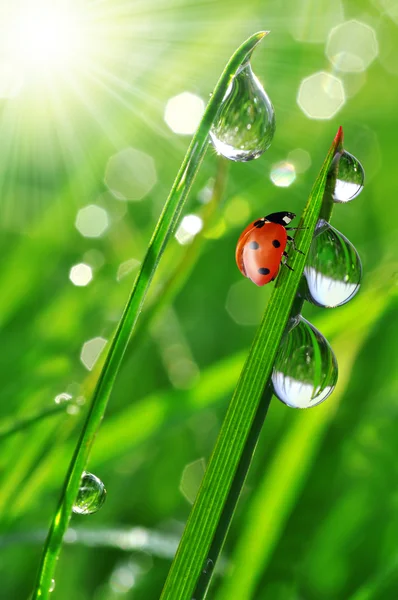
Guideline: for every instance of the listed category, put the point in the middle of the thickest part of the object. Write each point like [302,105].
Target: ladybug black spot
[263,271]
[276,243]
[254,245]
[260,223]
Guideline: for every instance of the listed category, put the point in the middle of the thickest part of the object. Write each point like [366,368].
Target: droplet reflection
[245,124]
[333,270]
[350,178]
[305,369]
[91,495]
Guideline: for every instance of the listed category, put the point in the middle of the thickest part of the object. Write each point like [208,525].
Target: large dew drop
[245,124]
[333,270]
[91,495]
[350,178]
[305,370]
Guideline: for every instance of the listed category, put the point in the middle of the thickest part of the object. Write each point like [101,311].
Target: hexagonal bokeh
[321,95]
[130,174]
[352,46]
[81,274]
[91,351]
[283,174]
[92,221]
[191,479]
[184,112]
[300,158]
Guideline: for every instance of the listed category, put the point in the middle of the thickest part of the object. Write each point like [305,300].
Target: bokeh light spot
[190,226]
[283,174]
[191,479]
[81,274]
[127,267]
[130,174]
[184,112]
[321,95]
[300,158]
[91,351]
[92,221]
[352,46]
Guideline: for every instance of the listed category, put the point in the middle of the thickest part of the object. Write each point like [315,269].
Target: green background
[321,500]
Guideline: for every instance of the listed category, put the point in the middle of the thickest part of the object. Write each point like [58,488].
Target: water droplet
[245,124]
[52,585]
[62,398]
[91,495]
[350,178]
[209,566]
[333,270]
[305,370]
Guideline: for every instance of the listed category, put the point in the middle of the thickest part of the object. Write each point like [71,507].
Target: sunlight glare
[45,37]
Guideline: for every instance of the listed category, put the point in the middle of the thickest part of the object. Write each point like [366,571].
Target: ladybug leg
[285,256]
[291,240]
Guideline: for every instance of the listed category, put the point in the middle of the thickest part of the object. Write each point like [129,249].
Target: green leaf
[213,509]
[165,226]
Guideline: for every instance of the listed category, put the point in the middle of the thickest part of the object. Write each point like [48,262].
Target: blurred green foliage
[336,532]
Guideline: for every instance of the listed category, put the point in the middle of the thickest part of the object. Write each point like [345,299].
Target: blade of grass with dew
[162,233]
[149,418]
[213,496]
[274,499]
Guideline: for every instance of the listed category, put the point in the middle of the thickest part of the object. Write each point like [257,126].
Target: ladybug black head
[281,218]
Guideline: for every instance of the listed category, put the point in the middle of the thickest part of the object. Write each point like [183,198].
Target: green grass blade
[21,424]
[162,233]
[213,497]
[274,499]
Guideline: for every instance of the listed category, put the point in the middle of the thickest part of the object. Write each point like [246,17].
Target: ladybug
[261,247]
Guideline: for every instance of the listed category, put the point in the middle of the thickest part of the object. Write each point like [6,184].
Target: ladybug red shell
[261,247]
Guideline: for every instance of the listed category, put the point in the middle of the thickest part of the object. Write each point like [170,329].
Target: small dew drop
[305,370]
[350,178]
[62,398]
[91,495]
[245,124]
[209,566]
[52,585]
[333,270]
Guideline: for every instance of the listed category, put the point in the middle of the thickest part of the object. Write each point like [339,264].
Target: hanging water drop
[245,124]
[305,369]
[52,585]
[350,178]
[333,270]
[91,495]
